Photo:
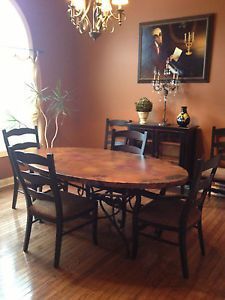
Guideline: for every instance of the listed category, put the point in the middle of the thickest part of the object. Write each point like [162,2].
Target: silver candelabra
[169,83]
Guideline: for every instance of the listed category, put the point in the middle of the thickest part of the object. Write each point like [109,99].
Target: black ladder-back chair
[113,124]
[218,147]
[8,136]
[130,141]
[163,138]
[176,213]
[53,205]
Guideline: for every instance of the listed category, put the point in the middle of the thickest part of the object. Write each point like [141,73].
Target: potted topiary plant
[143,107]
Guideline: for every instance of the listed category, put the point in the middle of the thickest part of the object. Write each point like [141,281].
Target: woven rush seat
[72,206]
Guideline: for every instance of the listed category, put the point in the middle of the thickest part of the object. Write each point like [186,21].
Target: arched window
[17,62]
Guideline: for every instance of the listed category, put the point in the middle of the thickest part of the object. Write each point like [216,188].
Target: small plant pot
[143,116]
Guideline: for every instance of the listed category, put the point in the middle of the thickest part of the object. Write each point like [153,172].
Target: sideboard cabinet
[171,142]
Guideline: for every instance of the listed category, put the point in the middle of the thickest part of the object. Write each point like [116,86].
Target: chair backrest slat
[7,135]
[29,158]
[35,179]
[130,141]
[25,145]
[113,124]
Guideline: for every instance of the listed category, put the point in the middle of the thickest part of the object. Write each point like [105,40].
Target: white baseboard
[6,182]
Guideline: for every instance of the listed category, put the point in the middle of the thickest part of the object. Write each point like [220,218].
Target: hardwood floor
[103,272]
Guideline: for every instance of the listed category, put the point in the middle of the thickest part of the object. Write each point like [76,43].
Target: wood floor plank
[102,272]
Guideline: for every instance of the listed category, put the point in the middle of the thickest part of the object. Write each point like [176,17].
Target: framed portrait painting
[184,43]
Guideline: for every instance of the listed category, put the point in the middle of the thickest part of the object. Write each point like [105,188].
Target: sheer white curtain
[17,66]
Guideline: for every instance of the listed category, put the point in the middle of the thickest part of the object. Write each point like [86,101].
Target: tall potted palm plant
[52,106]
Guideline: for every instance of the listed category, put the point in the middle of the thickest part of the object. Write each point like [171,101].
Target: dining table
[112,171]
[115,169]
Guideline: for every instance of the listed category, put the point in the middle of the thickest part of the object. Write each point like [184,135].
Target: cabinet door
[169,145]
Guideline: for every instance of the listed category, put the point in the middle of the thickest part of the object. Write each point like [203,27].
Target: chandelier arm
[97,18]
[119,15]
[84,22]
[77,13]
[109,25]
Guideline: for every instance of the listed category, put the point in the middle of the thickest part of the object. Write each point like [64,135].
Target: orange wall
[102,75]
[116,87]
[5,170]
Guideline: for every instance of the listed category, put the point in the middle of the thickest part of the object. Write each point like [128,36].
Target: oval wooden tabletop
[108,168]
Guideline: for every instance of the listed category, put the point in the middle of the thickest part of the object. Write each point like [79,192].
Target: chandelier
[96,16]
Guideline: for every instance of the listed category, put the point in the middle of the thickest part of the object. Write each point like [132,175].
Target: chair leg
[28,232]
[200,237]
[182,189]
[58,243]
[209,192]
[135,243]
[135,231]
[15,192]
[65,187]
[183,253]
[163,192]
[158,233]
[122,221]
[95,225]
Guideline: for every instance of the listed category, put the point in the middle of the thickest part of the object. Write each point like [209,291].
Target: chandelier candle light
[169,83]
[95,16]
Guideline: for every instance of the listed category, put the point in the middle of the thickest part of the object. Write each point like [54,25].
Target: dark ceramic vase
[183,119]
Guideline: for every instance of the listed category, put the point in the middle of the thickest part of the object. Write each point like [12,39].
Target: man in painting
[158,51]
[162,54]
[155,54]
